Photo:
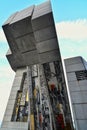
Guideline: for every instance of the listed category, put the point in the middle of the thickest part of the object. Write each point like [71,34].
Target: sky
[71,25]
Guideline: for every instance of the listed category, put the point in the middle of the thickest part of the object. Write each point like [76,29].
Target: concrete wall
[78,91]
[31,36]
[7,124]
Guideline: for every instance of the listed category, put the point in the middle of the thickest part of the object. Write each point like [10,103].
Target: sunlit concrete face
[76,70]
[31,36]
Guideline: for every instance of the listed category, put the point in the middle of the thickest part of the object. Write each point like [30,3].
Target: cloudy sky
[71,25]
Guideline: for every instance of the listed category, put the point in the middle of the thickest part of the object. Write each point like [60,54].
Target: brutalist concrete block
[48,45]
[11,102]
[20,71]
[16,60]
[84,96]
[73,86]
[75,67]
[13,97]
[15,88]
[78,85]
[13,129]
[49,56]
[42,9]
[76,97]
[22,14]
[22,27]
[73,60]
[79,111]
[26,43]
[83,88]
[13,93]
[17,80]
[31,57]
[40,23]
[9,106]
[85,110]
[82,82]
[7,118]
[15,125]
[10,19]
[71,77]
[45,34]
[8,112]
[82,124]
[79,97]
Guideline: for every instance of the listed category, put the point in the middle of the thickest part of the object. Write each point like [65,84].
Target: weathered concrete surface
[32,39]
[31,36]
[77,90]
[7,124]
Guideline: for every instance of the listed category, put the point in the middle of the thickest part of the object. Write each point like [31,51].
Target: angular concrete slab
[10,19]
[26,43]
[79,112]
[20,28]
[31,36]
[42,9]
[45,34]
[82,124]
[42,22]
[49,56]
[48,45]
[78,90]
[15,125]
[72,60]
[23,14]
[75,67]
[71,77]
[31,57]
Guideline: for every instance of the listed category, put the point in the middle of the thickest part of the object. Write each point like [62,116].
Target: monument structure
[38,98]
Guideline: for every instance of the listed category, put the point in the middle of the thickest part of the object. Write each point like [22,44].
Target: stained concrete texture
[7,123]
[31,36]
[77,90]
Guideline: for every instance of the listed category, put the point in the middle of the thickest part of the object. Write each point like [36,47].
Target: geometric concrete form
[31,36]
[7,123]
[77,85]
[38,98]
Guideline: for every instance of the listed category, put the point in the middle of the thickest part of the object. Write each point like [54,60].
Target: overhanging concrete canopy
[31,36]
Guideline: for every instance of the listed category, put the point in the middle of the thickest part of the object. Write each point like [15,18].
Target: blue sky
[71,25]
[69,9]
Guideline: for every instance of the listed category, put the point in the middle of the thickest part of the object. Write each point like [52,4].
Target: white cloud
[6,79]
[6,71]
[6,75]
[2,36]
[76,30]
[72,37]
[71,48]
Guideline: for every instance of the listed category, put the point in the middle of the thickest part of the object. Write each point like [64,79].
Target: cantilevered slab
[31,36]
[42,16]
[15,61]
[44,32]
[21,34]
